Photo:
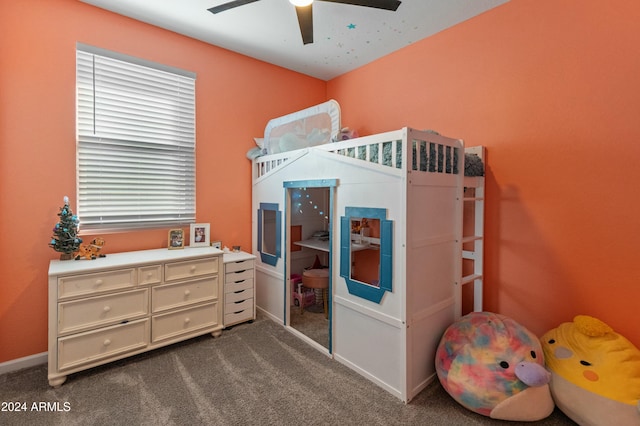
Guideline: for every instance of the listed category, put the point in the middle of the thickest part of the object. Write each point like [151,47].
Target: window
[135,142]
[366,252]
[269,230]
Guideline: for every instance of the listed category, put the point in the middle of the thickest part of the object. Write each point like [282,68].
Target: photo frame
[175,239]
[200,235]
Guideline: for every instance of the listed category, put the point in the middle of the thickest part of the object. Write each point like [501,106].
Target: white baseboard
[270,315]
[393,391]
[20,363]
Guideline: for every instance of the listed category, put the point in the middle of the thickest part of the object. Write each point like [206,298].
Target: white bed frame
[393,342]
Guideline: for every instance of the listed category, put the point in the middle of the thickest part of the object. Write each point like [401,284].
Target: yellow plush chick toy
[595,373]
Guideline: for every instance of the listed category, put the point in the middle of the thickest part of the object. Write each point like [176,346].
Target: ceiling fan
[304,10]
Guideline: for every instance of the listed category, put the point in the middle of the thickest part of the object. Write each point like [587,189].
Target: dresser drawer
[80,285]
[92,346]
[150,274]
[192,268]
[169,296]
[174,324]
[238,312]
[244,274]
[240,265]
[84,314]
[238,296]
[233,286]
[238,306]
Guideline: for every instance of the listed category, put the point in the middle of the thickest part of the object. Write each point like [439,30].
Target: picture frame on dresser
[175,239]
[199,235]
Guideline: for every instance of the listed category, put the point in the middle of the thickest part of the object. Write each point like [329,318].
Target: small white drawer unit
[239,299]
[126,303]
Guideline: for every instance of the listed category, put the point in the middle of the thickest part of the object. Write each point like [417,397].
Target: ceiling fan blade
[230,5]
[379,4]
[305,20]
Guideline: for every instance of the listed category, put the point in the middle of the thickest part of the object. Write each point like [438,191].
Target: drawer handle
[193,268]
[150,275]
[239,291]
[106,309]
[107,342]
[239,312]
[187,320]
[187,293]
[240,272]
[99,282]
[238,282]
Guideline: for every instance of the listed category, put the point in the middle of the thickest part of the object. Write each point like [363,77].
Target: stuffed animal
[494,366]
[595,373]
[92,250]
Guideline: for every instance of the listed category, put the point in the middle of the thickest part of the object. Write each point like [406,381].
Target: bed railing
[385,151]
[269,163]
[418,150]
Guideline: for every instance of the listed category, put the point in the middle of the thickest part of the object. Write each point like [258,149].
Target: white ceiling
[345,36]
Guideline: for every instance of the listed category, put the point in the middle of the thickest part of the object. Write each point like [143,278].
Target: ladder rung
[473,181]
[471,238]
[470,278]
[469,255]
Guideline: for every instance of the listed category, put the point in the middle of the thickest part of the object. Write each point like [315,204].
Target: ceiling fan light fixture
[301,3]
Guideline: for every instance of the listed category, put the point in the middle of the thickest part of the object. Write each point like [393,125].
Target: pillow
[494,366]
[595,373]
[473,165]
[254,153]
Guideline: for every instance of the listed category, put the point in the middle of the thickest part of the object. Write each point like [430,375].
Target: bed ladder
[473,237]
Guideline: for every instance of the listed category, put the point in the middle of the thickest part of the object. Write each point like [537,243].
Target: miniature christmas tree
[65,239]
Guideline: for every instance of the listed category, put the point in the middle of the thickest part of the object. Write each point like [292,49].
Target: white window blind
[136,144]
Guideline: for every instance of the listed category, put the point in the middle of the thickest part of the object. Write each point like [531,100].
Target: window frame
[266,257]
[358,288]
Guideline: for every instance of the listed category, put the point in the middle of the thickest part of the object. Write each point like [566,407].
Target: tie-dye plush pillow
[494,366]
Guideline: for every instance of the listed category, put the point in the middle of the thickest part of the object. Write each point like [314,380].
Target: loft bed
[429,160]
[410,185]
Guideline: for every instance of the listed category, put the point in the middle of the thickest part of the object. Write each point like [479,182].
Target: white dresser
[127,303]
[239,287]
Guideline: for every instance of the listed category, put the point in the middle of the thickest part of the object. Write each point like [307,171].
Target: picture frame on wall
[200,235]
[175,239]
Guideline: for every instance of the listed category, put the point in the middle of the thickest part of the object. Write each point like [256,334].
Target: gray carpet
[254,374]
[312,324]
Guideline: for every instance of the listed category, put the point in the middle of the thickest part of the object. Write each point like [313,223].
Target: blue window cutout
[269,232]
[366,291]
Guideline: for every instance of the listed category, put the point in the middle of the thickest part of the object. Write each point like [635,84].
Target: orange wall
[552,89]
[236,96]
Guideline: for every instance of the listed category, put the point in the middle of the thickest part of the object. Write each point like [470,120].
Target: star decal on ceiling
[351,26]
